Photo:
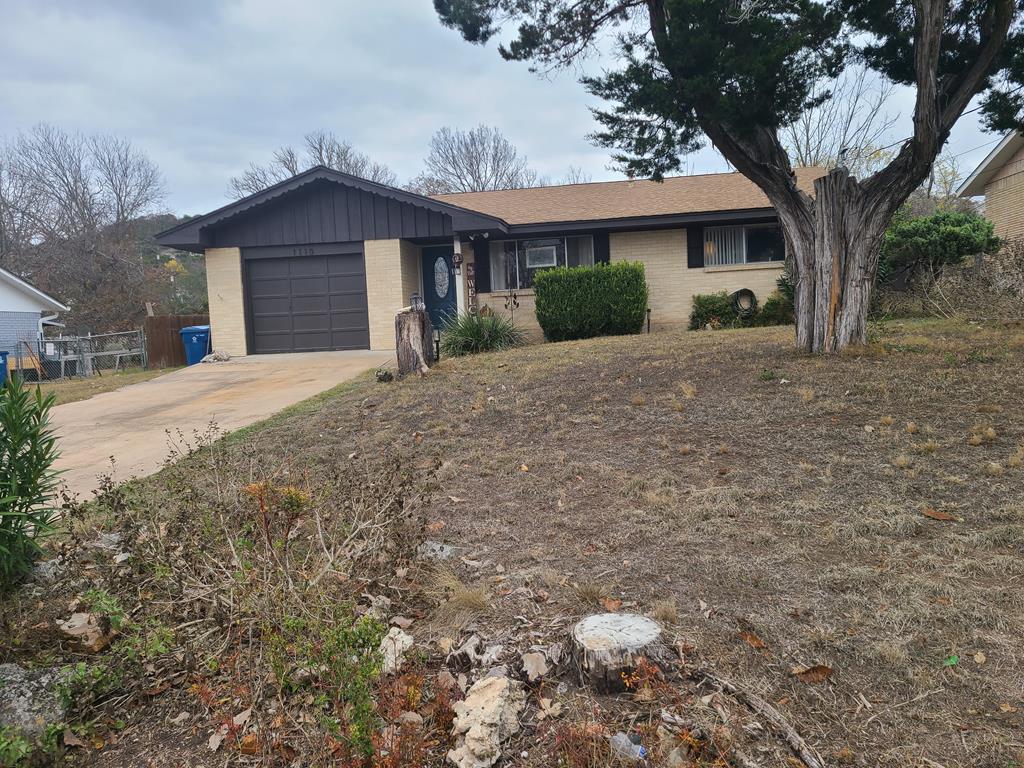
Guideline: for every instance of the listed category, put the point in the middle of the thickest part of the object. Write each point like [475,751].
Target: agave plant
[472,332]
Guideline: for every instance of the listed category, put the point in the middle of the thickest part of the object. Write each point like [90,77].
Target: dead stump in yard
[608,645]
[414,341]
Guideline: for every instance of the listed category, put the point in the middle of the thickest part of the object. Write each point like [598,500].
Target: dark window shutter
[602,253]
[694,247]
[482,260]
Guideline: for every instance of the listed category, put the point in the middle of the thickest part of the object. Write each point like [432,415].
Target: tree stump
[608,645]
[414,341]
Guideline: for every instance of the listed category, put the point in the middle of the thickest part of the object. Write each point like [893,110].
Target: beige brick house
[1000,178]
[324,260]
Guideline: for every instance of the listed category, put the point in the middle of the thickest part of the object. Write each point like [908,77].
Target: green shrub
[776,311]
[716,310]
[583,302]
[915,244]
[471,332]
[27,479]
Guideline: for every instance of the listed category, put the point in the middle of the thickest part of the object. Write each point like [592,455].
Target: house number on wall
[441,279]
[303,251]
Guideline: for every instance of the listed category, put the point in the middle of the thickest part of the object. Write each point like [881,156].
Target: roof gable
[43,300]
[324,205]
[1003,153]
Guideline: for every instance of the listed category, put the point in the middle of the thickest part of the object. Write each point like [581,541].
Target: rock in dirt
[87,632]
[607,645]
[29,701]
[393,648]
[216,357]
[435,550]
[487,717]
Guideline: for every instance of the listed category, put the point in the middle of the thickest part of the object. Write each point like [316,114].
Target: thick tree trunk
[835,259]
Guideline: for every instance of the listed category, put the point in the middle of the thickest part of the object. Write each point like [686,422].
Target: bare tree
[319,148]
[576,175]
[849,129]
[71,214]
[477,160]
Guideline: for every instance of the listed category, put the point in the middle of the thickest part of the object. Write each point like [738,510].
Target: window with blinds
[744,244]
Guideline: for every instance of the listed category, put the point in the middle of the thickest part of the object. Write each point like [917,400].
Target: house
[324,260]
[24,309]
[1000,178]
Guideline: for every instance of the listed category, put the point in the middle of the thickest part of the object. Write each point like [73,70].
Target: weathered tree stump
[414,341]
[608,645]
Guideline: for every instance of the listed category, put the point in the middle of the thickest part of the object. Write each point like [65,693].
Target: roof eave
[975,184]
[48,301]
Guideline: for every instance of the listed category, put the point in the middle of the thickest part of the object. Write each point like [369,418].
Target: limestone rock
[393,648]
[488,716]
[28,699]
[87,632]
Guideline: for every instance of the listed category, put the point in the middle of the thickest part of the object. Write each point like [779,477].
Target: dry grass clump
[689,390]
[665,611]
[806,393]
[993,469]
[928,446]
[912,428]
[887,421]
[638,400]
[1016,459]
[590,593]
[902,461]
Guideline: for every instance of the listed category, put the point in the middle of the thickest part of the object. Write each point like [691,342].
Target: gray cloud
[207,87]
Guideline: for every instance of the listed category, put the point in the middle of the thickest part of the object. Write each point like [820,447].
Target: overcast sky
[207,86]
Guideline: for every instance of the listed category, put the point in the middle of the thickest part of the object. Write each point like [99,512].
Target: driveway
[131,423]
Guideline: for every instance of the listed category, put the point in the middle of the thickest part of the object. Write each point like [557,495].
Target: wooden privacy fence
[163,340]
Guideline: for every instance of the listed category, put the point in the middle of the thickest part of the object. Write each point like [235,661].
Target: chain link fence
[61,357]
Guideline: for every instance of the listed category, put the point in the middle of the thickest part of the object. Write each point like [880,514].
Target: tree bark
[414,342]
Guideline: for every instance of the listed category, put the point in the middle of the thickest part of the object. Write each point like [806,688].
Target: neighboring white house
[23,311]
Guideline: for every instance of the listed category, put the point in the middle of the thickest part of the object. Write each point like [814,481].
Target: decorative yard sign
[471,286]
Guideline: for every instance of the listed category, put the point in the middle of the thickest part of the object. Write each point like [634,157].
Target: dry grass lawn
[778,511]
[81,388]
[789,495]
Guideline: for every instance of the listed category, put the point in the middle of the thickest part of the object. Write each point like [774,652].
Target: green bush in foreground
[28,481]
[583,302]
[472,332]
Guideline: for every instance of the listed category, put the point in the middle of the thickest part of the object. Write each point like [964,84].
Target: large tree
[477,160]
[319,148]
[737,72]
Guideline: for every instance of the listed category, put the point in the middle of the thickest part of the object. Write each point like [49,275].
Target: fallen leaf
[217,738]
[980,658]
[549,709]
[242,717]
[71,739]
[611,604]
[249,745]
[753,640]
[1008,708]
[535,666]
[813,674]
[938,514]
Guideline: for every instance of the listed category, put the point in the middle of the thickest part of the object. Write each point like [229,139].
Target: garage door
[308,303]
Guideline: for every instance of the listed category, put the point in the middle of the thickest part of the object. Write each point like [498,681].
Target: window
[748,244]
[515,262]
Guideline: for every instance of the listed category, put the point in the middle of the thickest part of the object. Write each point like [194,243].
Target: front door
[439,283]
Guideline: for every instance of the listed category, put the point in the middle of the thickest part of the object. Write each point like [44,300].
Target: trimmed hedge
[716,310]
[583,302]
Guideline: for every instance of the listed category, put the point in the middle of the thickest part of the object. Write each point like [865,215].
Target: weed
[15,749]
[806,393]
[102,602]
[458,602]
[638,400]
[469,333]
[928,446]
[689,390]
[912,428]
[902,461]
[975,439]
[993,469]
[887,421]
[591,593]
[84,685]
[767,374]
[666,611]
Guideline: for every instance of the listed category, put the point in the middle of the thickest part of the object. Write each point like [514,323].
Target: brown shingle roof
[624,199]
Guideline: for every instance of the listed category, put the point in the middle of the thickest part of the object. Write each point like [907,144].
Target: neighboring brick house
[1000,178]
[23,310]
[325,260]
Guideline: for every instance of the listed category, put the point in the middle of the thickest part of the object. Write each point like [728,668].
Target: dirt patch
[783,513]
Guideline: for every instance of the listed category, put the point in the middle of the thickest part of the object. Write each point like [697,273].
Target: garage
[306,303]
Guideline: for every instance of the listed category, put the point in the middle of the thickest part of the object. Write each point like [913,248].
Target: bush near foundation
[717,311]
[583,302]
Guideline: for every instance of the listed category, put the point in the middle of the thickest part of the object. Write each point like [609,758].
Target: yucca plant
[28,481]
[472,332]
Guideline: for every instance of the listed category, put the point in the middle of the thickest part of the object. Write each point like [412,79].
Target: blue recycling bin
[196,339]
[3,366]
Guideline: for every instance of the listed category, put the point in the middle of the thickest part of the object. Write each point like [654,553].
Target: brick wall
[671,285]
[1004,198]
[227,303]
[392,275]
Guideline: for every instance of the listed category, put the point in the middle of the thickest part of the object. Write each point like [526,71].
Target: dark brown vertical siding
[329,213]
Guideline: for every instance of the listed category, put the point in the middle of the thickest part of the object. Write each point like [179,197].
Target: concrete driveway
[131,423]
